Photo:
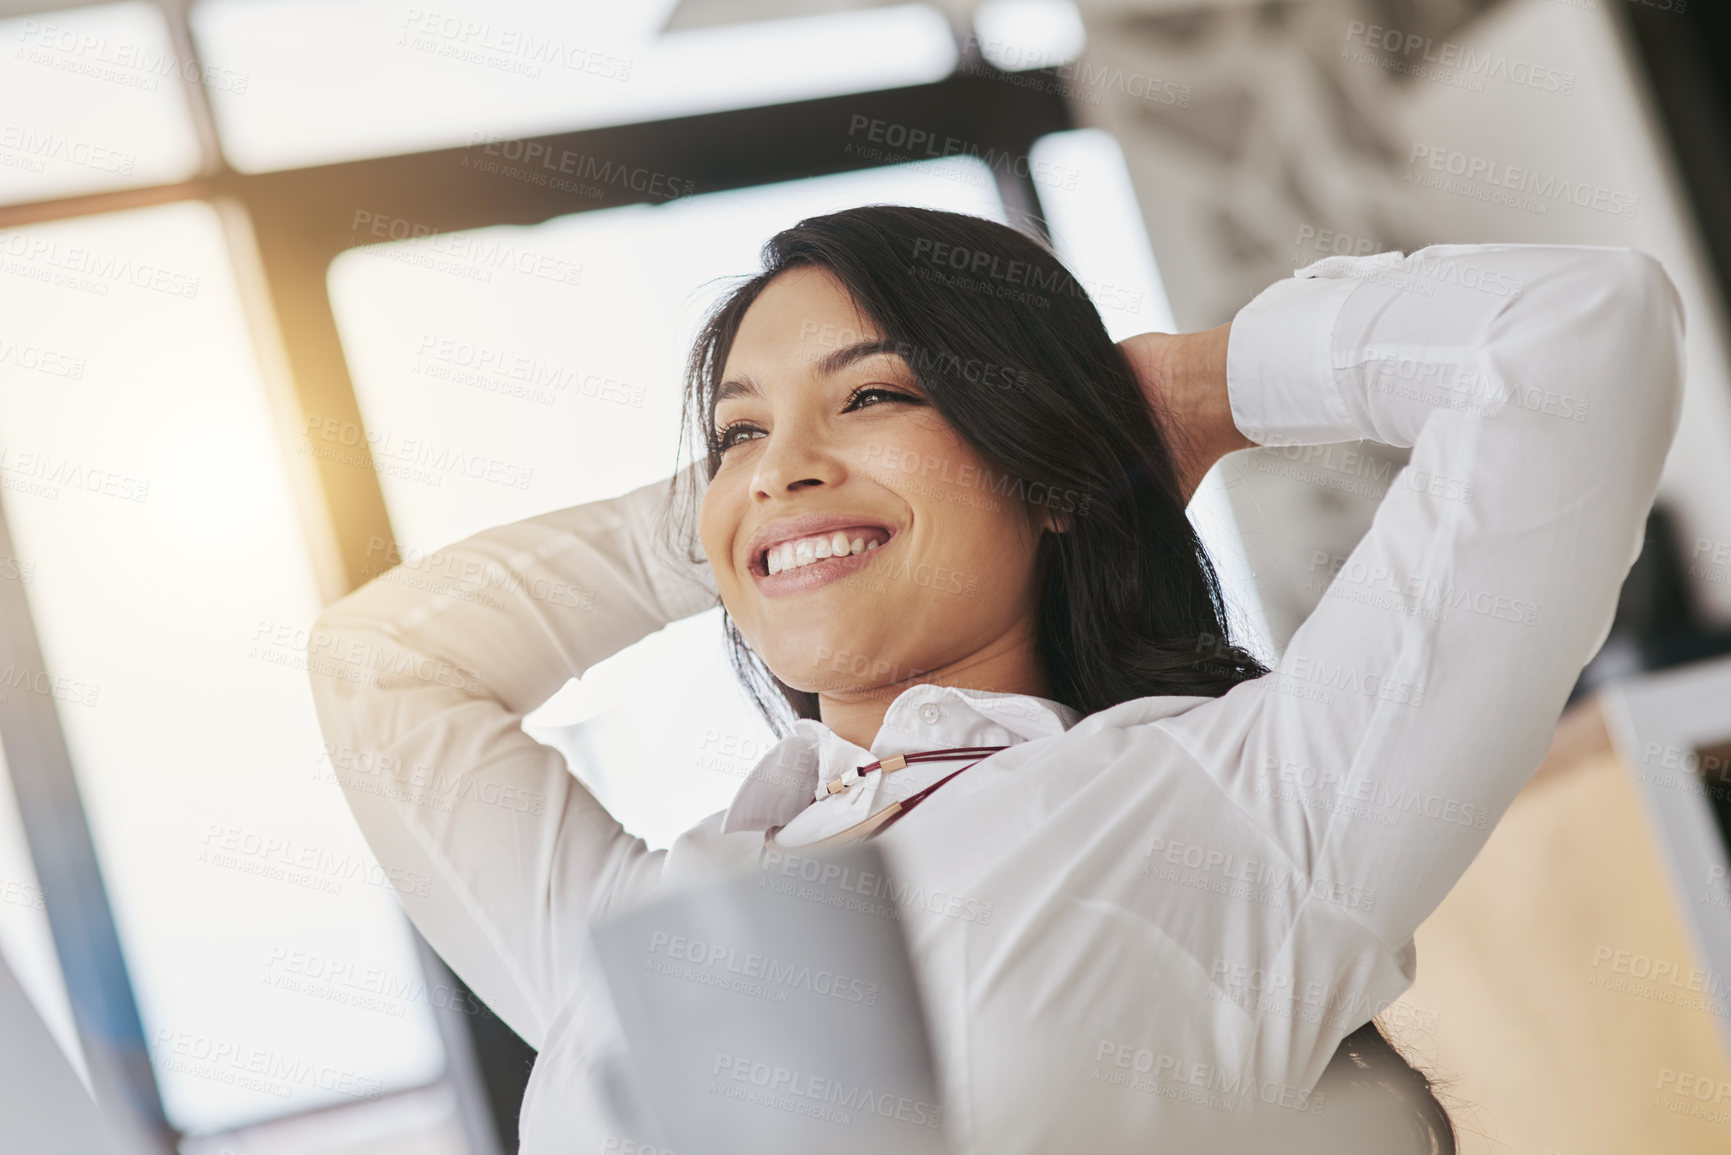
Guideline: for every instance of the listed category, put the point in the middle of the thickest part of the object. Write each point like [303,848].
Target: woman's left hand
[1183,376]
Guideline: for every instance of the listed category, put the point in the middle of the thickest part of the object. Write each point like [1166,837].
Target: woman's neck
[1010,665]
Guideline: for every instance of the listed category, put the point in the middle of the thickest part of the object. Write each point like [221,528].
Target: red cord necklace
[883,819]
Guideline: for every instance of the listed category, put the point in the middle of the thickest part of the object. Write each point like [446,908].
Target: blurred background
[293,290]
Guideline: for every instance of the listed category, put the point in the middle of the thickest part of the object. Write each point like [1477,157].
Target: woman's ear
[1052,521]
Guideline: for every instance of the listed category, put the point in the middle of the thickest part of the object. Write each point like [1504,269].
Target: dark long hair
[1012,352]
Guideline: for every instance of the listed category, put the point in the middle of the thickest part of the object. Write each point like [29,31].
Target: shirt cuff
[1280,363]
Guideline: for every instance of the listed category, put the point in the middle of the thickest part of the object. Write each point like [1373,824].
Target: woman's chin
[833,665]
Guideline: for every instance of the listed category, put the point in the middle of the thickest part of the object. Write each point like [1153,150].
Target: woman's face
[857,541]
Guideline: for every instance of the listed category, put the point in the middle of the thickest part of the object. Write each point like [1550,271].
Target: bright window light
[144,484]
[1020,34]
[609,312]
[92,99]
[333,80]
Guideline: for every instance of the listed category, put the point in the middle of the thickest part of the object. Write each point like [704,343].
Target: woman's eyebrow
[730,389]
[840,359]
[746,386]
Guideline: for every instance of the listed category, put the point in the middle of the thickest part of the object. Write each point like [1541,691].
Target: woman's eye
[875,394]
[732,435]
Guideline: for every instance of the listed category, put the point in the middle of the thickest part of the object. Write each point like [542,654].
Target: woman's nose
[795,459]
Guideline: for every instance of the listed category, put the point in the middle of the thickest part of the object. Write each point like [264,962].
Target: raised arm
[421,679]
[1539,388]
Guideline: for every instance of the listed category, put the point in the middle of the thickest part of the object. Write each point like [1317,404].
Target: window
[144,487]
[91,99]
[315,81]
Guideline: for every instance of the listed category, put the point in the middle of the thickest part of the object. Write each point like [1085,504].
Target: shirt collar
[923,717]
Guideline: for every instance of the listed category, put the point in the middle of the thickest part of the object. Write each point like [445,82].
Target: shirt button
[930,713]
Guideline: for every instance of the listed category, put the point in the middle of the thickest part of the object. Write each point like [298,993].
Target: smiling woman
[821,434]
[946,381]
[1149,930]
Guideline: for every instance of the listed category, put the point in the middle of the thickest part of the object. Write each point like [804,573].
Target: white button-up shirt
[1137,929]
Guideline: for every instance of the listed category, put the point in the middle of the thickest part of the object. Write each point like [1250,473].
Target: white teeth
[795,554]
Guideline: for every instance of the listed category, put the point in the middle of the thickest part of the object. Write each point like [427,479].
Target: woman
[1183,881]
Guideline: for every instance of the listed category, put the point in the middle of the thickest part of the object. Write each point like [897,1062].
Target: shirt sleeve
[1539,388]
[421,679]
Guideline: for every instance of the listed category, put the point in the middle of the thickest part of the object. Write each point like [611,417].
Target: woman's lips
[822,571]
